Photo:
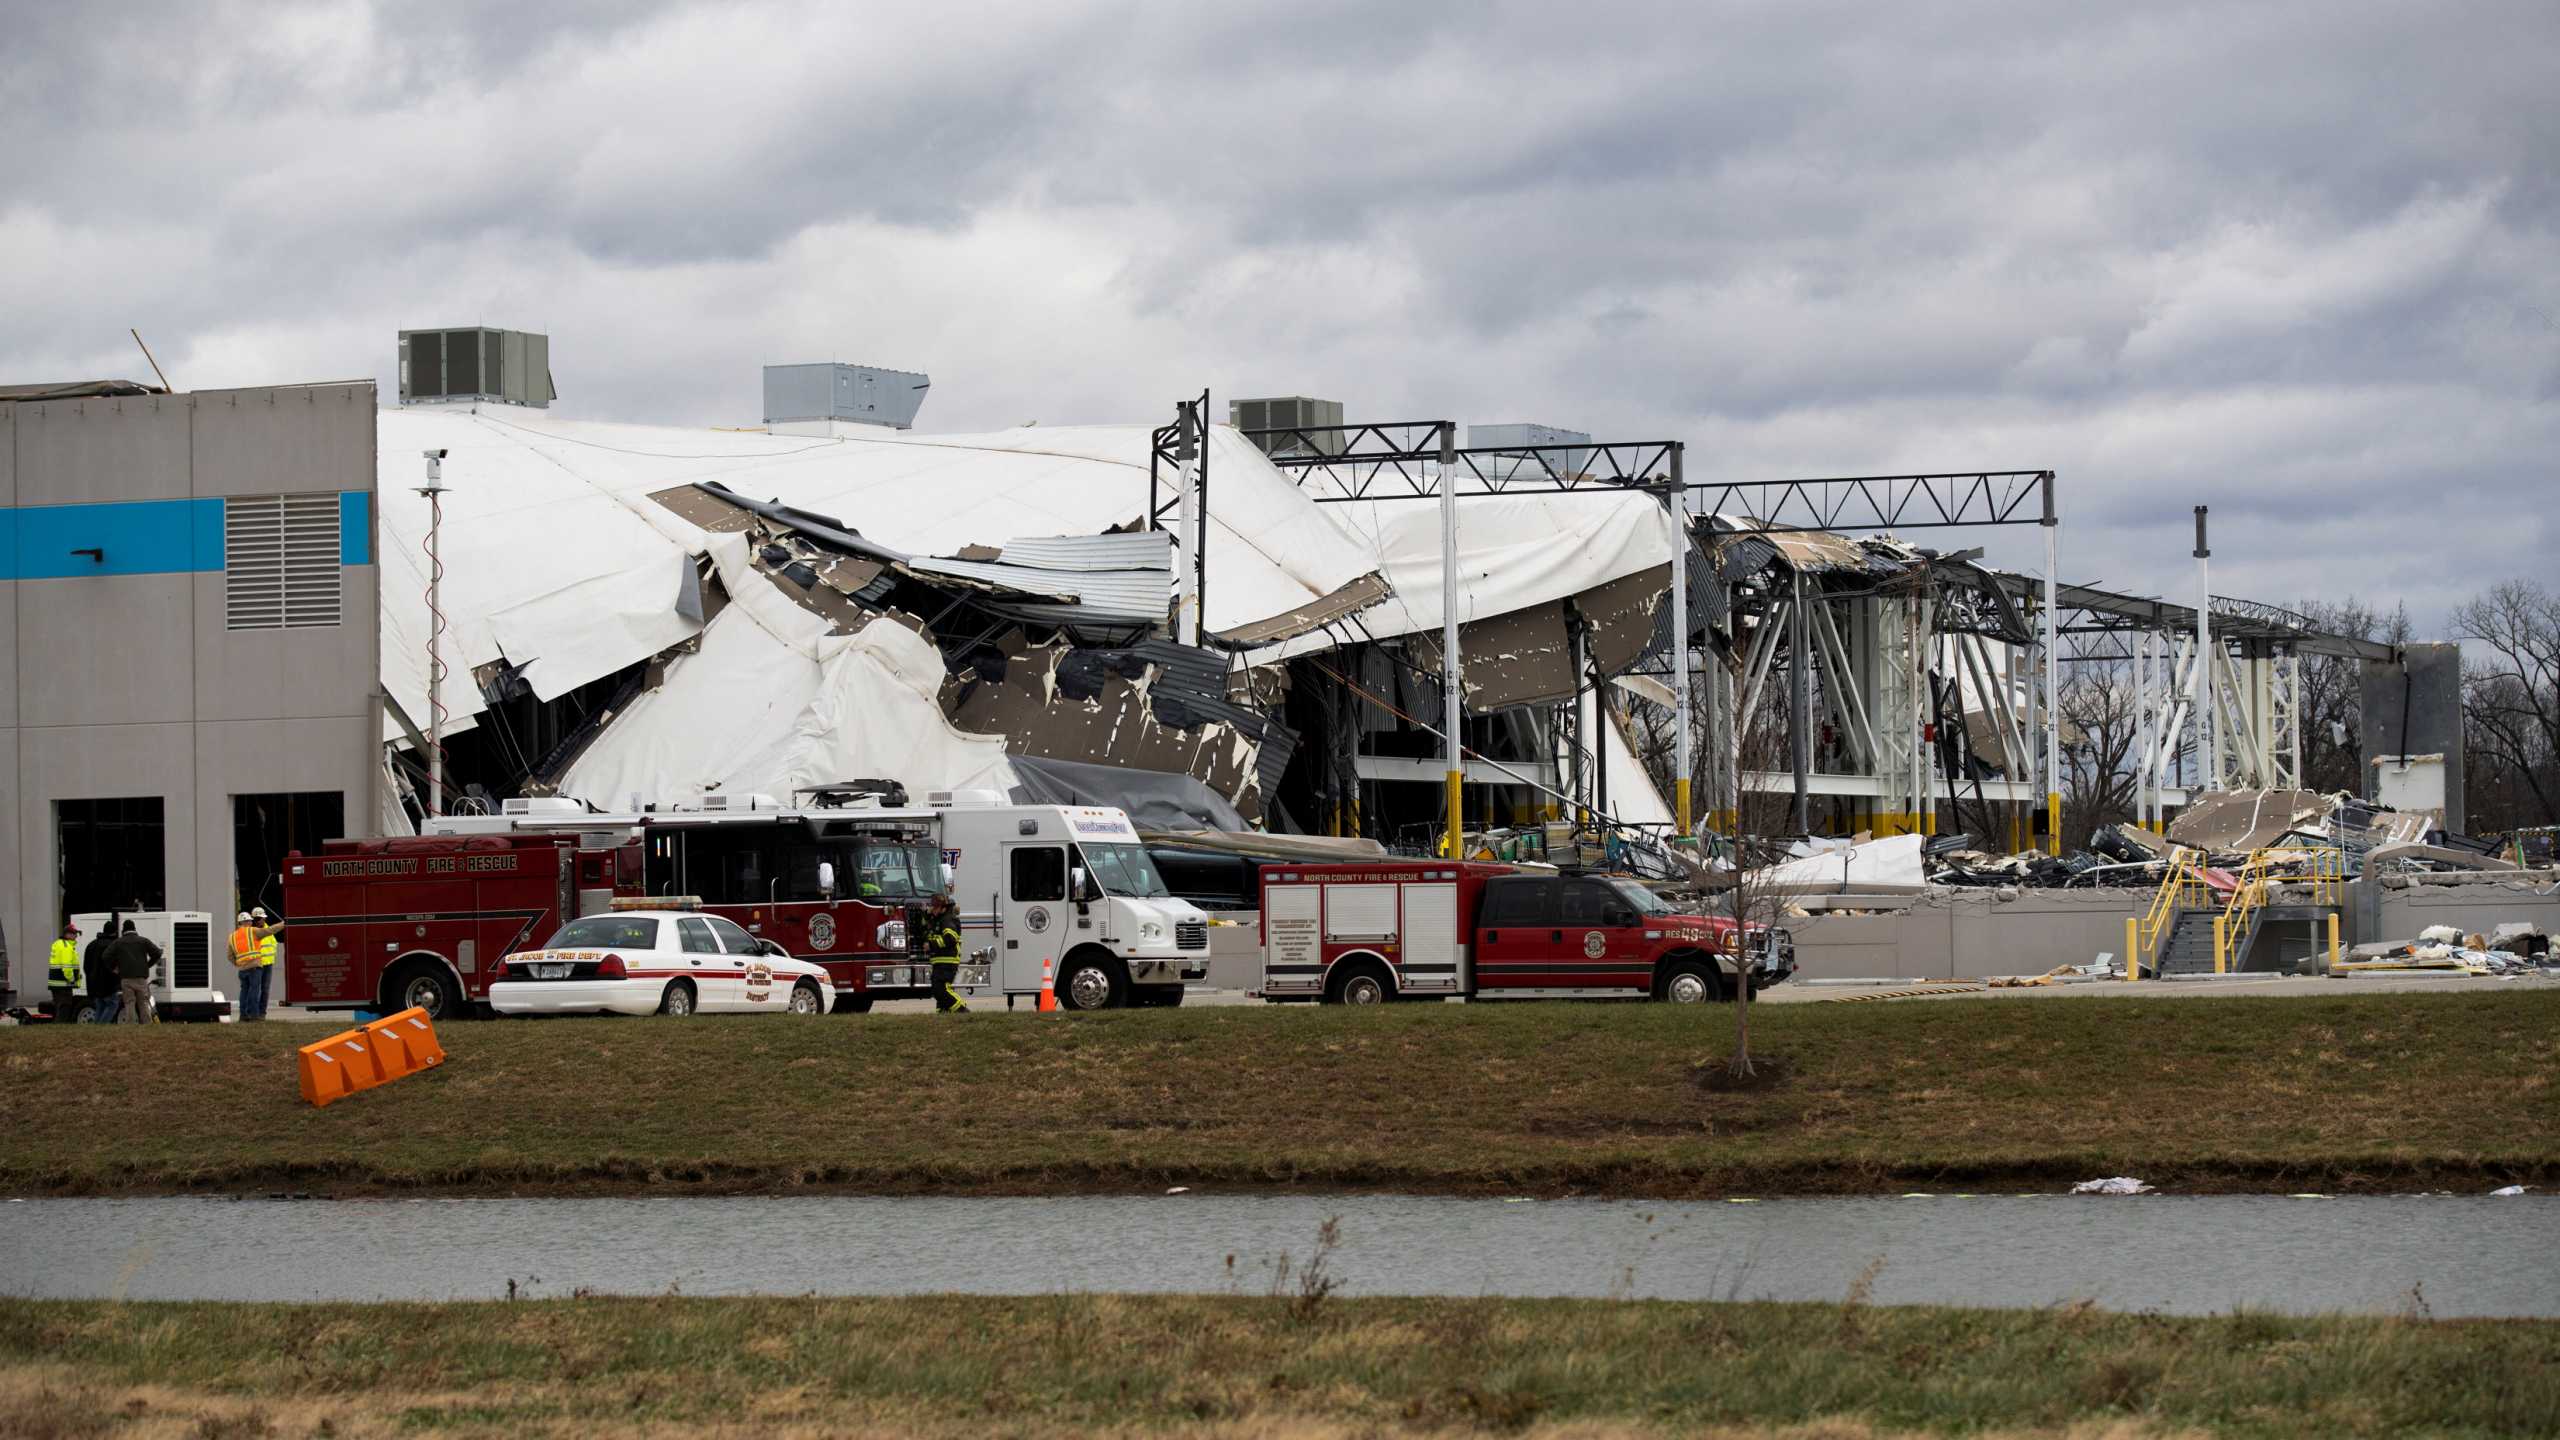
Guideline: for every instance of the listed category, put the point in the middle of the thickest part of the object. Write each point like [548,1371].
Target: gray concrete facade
[131,666]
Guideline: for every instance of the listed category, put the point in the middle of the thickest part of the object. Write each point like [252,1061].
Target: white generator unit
[186,985]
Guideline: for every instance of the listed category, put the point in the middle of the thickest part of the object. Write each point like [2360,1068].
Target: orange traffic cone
[1048,987]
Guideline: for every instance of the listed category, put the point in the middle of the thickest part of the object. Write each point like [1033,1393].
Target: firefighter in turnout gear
[942,949]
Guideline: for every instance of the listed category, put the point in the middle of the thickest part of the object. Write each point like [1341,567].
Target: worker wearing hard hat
[942,950]
[62,974]
[253,955]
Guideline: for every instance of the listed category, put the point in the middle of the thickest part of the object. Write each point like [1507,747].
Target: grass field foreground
[1250,1365]
[2345,1094]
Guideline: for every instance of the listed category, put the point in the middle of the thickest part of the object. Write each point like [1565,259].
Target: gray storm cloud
[2293,261]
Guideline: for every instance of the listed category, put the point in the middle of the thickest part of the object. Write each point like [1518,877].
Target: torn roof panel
[538,502]
[1514,552]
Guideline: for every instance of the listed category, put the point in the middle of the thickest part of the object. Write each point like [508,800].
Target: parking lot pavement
[2368,983]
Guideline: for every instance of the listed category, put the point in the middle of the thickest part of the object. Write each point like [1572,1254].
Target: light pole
[1449,666]
[434,491]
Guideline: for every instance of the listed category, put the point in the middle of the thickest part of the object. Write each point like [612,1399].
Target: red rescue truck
[1365,934]
[388,924]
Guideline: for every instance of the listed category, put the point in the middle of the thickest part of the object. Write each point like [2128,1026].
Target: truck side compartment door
[1517,929]
[1293,951]
[1032,915]
[1431,939]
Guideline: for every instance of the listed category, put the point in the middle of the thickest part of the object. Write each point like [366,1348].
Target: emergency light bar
[657,902]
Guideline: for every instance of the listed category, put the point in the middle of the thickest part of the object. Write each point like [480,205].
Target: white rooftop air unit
[1289,412]
[808,398]
[717,803]
[950,799]
[541,805]
[510,367]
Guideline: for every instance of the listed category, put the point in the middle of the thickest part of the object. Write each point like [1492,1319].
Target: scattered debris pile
[2511,949]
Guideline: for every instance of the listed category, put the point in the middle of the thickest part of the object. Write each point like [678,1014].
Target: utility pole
[434,491]
[1449,666]
[1678,496]
[2209,767]
[2052,524]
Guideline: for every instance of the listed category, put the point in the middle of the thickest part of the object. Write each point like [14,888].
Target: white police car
[656,962]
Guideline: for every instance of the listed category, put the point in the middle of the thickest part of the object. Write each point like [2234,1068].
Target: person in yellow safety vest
[251,949]
[266,956]
[62,974]
[942,951]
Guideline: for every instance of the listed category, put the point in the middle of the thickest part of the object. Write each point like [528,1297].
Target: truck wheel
[1690,982]
[805,999]
[422,986]
[1093,985]
[853,1005]
[678,1000]
[1362,986]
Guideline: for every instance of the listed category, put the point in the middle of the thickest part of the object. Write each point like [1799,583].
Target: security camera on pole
[434,491]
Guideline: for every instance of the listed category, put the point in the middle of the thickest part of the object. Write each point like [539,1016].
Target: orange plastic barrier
[338,1067]
[405,1043]
[354,1060]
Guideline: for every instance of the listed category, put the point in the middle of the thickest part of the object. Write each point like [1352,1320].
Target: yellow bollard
[2132,967]
[2217,944]
[2333,941]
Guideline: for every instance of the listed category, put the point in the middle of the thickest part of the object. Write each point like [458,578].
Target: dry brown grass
[2350,1093]
[1062,1365]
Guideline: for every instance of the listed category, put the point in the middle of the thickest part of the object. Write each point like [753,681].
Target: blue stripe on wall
[136,537]
[355,527]
[145,537]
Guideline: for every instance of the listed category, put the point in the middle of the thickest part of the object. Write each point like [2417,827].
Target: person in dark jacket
[98,967]
[135,957]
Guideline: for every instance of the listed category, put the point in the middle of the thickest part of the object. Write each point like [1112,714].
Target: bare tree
[2511,698]
[2097,706]
[2333,692]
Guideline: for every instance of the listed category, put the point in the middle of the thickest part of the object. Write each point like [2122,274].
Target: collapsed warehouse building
[664,613]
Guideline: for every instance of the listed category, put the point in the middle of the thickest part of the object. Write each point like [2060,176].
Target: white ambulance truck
[1064,892]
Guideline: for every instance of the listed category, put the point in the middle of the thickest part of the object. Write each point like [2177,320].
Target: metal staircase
[2189,930]
[2190,946]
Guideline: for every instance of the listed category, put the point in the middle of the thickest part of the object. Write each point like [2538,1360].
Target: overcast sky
[2297,261]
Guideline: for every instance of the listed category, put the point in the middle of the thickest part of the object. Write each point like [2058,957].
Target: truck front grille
[1191,935]
[190,955]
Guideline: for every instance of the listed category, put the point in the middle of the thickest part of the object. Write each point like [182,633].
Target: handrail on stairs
[2322,868]
[2182,886]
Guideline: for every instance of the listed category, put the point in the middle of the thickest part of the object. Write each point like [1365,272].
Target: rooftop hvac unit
[1528,465]
[717,803]
[1289,412]
[511,367]
[540,805]
[854,394]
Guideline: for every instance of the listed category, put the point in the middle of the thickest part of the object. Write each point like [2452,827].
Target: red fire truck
[1365,934]
[388,924]
[419,921]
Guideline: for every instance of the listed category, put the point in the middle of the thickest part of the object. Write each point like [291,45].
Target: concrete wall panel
[1966,935]
[256,757]
[116,651]
[130,448]
[2471,909]
[284,441]
[8,454]
[245,674]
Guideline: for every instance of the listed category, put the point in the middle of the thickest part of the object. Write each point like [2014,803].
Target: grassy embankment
[2351,1093]
[1250,1365]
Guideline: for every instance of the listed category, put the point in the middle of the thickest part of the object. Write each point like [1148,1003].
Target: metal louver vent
[280,561]
[191,955]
